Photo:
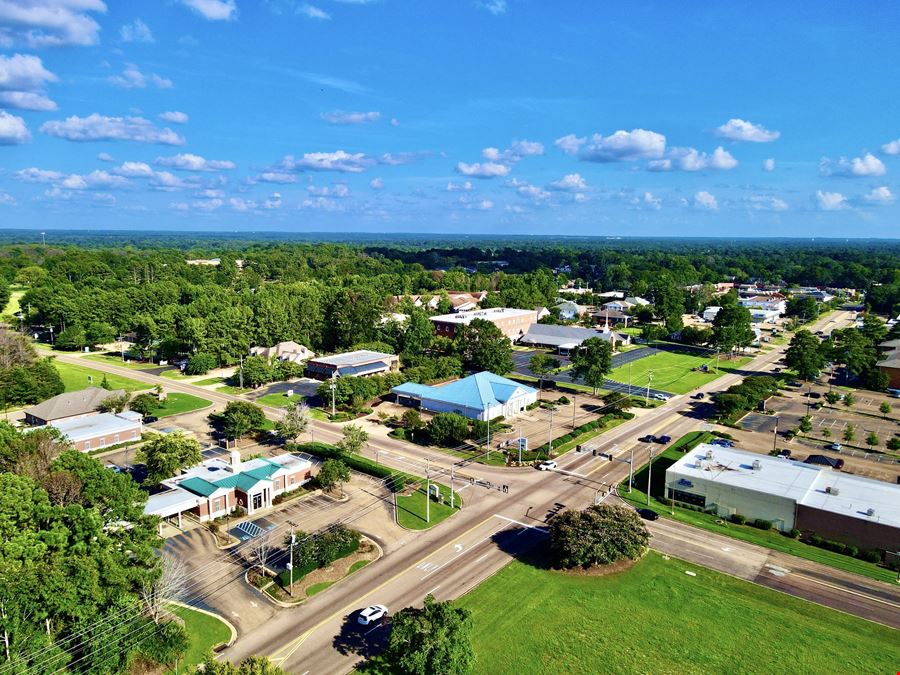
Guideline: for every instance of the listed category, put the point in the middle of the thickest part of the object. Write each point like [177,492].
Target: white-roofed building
[102,430]
[790,494]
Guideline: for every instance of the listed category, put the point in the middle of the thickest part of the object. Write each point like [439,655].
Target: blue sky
[470,116]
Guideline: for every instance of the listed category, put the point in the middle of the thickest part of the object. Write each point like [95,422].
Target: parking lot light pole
[649,380]
[427,492]
[649,473]
[291,563]
[574,408]
[775,436]
[631,470]
[452,500]
[550,442]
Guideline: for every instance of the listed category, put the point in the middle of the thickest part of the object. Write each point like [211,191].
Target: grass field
[234,391]
[656,619]
[75,378]
[278,400]
[209,380]
[411,509]
[177,403]
[769,539]
[674,372]
[204,631]
[116,360]
[13,307]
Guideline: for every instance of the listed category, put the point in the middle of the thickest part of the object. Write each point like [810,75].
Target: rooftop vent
[832,491]
[709,454]
[870,512]
[757,465]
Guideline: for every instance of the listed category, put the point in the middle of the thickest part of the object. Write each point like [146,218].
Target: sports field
[673,371]
[75,378]
[655,618]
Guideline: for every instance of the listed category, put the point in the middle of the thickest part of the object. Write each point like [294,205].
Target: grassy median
[75,378]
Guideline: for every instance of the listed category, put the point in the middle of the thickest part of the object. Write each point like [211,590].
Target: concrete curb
[234,632]
[288,605]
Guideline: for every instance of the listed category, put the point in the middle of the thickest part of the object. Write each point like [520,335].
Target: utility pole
[649,380]
[550,442]
[649,471]
[452,496]
[291,563]
[489,439]
[775,436]
[241,372]
[574,408]
[631,470]
[427,492]
[333,387]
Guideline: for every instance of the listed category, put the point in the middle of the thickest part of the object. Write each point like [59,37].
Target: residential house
[284,351]
[569,310]
[709,314]
[93,432]
[764,315]
[482,396]
[71,405]
[775,302]
[512,322]
[357,363]
[609,317]
[637,300]
[617,305]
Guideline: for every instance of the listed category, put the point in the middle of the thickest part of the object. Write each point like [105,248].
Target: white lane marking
[452,558]
[482,558]
[433,590]
[727,549]
[373,629]
[690,574]
[778,571]
[517,522]
[458,548]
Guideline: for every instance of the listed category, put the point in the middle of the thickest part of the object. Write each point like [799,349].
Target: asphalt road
[322,637]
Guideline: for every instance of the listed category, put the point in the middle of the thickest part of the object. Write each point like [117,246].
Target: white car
[659,397]
[372,614]
[547,465]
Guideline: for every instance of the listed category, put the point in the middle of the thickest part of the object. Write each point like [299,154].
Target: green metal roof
[199,486]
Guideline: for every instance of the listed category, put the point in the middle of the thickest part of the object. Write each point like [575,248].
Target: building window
[116,438]
[688,498]
[87,445]
[293,479]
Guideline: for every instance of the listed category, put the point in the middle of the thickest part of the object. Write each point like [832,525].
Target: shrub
[448,428]
[873,555]
[738,519]
[341,416]
[563,400]
[761,524]
[200,364]
[599,535]
[795,533]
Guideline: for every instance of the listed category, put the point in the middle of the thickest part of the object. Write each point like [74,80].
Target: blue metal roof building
[482,396]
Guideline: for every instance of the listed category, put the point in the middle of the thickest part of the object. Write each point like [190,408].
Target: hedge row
[398,481]
[585,428]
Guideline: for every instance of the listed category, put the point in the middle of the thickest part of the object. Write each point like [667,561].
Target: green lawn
[656,619]
[205,632]
[116,360]
[358,565]
[209,380]
[75,378]
[179,403]
[317,588]
[769,539]
[234,391]
[278,400]
[13,307]
[674,372]
[411,509]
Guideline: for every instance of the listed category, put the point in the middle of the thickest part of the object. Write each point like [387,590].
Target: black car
[648,514]
[699,396]
[150,418]
[663,439]
[649,438]
[815,394]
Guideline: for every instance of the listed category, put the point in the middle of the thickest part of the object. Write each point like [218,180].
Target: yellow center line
[297,642]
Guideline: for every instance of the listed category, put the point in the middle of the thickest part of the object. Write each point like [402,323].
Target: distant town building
[569,310]
[284,351]
[70,405]
[512,322]
[791,495]
[709,314]
[209,262]
[775,302]
[566,338]
[889,364]
[358,363]
[93,432]
[482,396]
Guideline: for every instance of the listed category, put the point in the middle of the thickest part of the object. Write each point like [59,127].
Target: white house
[709,314]
[774,302]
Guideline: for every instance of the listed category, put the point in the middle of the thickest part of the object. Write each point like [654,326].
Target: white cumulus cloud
[570,143]
[623,146]
[174,117]
[572,182]
[96,127]
[867,165]
[691,159]
[134,170]
[768,164]
[465,186]
[741,130]
[213,10]
[22,82]
[376,184]
[273,201]
[495,7]
[314,12]
[49,23]
[831,201]
[132,78]
[7,199]
[344,162]
[482,169]
[706,201]
[136,31]
[13,130]
[766,203]
[278,177]
[190,162]
[891,148]
[880,196]
[344,117]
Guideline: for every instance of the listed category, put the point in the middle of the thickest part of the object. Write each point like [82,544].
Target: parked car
[659,397]
[372,614]
[547,465]
[795,383]
[664,439]
[835,446]
[649,438]
[815,394]
[699,396]
[648,514]
[722,442]
[784,453]
[114,468]
[822,460]
[776,370]
[150,418]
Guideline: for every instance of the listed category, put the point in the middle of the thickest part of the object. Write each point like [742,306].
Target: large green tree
[483,346]
[805,355]
[241,417]
[165,455]
[542,364]
[732,328]
[436,638]
[592,362]
[599,535]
